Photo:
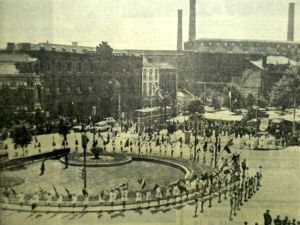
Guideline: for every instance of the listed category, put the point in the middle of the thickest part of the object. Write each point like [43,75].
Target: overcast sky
[141,24]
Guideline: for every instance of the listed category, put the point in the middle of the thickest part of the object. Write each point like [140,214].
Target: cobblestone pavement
[281,179]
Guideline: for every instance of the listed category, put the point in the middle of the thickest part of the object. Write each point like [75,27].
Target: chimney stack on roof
[179,31]
[290,34]
[11,47]
[192,23]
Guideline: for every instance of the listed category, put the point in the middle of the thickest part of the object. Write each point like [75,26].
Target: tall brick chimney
[192,24]
[179,31]
[290,34]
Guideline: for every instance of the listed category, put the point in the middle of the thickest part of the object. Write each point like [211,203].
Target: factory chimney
[179,31]
[192,24]
[290,34]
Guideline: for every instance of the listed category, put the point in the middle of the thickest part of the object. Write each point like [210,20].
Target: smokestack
[179,31]
[192,26]
[290,34]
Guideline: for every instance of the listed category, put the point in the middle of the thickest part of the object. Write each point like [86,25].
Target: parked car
[110,121]
[102,126]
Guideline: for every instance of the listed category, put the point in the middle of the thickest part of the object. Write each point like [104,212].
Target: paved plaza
[279,193]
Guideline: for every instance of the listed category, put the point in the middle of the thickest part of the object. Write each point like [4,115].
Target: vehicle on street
[110,121]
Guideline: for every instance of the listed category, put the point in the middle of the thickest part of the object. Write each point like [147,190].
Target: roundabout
[61,190]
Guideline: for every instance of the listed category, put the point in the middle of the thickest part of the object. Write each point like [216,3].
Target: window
[92,67]
[156,74]
[79,67]
[145,76]
[150,89]
[144,88]
[59,66]
[69,66]
[68,89]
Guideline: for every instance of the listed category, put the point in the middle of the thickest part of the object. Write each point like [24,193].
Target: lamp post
[195,134]
[118,88]
[84,141]
[216,145]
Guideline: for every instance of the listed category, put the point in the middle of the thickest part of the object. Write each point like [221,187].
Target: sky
[141,24]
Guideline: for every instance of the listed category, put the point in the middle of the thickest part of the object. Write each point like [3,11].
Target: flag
[55,190]
[85,193]
[142,183]
[204,176]
[181,186]
[124,184]
[126,143]
[194,177]
[155,187]
[227,149]
[205,147]
[13,191]
[157,142]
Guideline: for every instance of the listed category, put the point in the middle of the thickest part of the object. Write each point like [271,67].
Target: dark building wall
[75,82]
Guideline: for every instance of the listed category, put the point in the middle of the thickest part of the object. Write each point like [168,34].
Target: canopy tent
[288,116]
[179,119]
[223,115]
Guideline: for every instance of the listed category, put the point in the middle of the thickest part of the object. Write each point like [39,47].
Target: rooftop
[12,57]
[274,60]
[246,40]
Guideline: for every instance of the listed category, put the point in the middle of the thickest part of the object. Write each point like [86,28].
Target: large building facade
[158,79]
[81,81]
[20,83]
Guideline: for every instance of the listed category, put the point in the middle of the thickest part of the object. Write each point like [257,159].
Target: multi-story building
[82,81]
[20,83]
[158,79]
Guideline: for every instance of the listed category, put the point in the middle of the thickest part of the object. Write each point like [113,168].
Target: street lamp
[84,141]
[195,134]
[216,145]
[118,88]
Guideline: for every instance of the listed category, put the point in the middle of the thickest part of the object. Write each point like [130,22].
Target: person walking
[267,218]
[196,206]
[42,168]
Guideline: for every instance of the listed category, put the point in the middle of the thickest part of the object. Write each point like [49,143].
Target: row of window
[69,67]
[68,90]
[150,71]
[250,44]
[150,76]
[149,89]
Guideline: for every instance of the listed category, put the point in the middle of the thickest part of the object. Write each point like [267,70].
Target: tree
[21,136]
[282,93]
[63,129]
[250,100]
[216,103]
[236,101]
[196,106]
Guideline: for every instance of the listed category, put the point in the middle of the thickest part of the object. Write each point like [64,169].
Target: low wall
[188,172]
[33,158]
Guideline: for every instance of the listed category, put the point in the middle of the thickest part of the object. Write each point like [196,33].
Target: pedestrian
[124,197]
[158,195]
[267,218]
[21,198]
[244,166]
[42,168]
[112,197]
[277,221]
[196,206]
[148,197]
[181,153]
[138,198]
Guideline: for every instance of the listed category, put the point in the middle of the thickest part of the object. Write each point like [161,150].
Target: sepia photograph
[173,112]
